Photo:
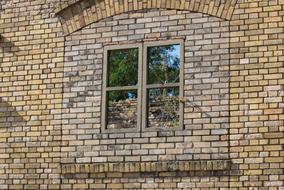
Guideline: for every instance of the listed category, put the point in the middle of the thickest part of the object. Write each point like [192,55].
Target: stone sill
[142,167]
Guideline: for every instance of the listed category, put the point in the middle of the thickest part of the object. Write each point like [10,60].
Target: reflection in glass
[163,64]
[123,67]
[121,109]
[163,107]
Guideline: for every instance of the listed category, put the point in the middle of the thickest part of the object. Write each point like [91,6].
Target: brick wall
[206,75]
[50,96]
[256,98]
[31,75]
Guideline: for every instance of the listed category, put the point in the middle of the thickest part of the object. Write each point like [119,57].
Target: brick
[51,91]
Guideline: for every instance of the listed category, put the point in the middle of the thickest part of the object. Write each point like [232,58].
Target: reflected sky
[163,64]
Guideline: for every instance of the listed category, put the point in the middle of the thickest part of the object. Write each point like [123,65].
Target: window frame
[105,89]
[142,86]
[146,86]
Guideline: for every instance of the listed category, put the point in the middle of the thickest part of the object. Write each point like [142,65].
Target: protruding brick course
[144,167]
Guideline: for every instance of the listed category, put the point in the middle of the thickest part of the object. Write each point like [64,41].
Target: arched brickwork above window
[77,14]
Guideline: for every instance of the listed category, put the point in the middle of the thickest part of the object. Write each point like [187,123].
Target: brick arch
[77,14]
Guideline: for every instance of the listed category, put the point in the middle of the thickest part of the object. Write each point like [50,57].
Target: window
[142,86]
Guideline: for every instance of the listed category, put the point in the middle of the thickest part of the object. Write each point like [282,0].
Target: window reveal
[130,102]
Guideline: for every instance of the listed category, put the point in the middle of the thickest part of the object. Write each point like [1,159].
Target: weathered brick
[233,83]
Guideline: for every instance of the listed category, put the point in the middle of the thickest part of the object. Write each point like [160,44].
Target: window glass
[121,109]
[123,67]
[142,88]
[163,107]
[163,64]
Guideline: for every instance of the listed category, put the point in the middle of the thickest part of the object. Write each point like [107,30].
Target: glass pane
[123,67]
[121,109]
[163,107]
[163,64]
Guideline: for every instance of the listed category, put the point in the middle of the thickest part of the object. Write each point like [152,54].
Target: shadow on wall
[8,50]
[7,46]
[10,123]
[9,117]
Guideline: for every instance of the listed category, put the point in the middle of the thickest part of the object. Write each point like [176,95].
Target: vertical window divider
[181,84]
[144,87]
[104,102]
[140,87]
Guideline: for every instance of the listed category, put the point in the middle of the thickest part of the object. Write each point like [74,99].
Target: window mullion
[144,86]
[140,86]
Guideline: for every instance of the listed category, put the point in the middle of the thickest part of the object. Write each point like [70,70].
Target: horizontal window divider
[168,85]
[121,88]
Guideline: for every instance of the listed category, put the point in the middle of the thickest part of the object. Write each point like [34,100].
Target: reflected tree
[163,64]
[122,71]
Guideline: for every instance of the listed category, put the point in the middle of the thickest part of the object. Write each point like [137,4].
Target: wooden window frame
[142,86]
[146,86]
[121,88]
